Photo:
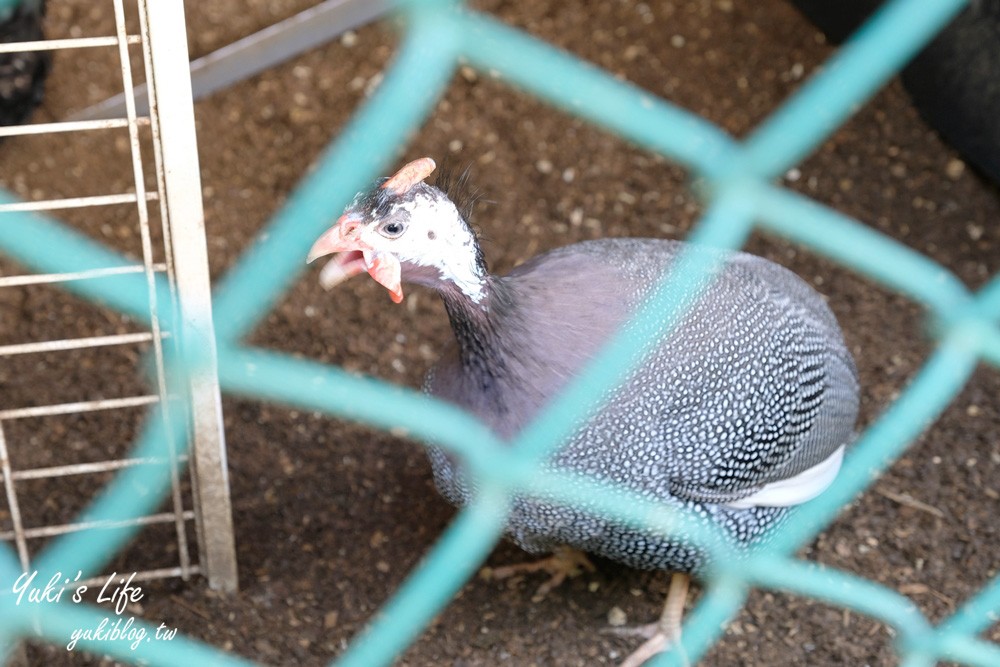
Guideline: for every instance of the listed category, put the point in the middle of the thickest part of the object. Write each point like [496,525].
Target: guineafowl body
[739,412]
[754,386]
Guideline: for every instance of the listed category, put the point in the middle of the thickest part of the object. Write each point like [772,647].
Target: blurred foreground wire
[740,196]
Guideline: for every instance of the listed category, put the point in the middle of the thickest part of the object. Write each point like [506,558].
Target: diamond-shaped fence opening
[740,197]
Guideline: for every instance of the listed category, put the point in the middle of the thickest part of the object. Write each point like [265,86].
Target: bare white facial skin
[428,232]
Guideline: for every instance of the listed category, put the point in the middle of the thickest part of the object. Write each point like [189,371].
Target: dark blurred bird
[22,74]
[954,82]
[741,412]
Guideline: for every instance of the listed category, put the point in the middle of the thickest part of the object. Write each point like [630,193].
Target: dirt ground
[330,516]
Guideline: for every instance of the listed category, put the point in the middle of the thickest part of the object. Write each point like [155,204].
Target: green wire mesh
[740,197]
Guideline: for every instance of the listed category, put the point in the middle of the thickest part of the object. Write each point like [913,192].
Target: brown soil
[331,516]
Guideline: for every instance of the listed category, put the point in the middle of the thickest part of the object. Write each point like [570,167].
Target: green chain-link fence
[739,196]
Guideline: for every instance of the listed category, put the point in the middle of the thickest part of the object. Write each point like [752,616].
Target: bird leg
[564,563]
[660,635]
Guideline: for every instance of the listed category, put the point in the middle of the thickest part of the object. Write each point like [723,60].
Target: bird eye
[392,228]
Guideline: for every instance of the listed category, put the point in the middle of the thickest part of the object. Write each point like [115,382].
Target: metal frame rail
[178,193]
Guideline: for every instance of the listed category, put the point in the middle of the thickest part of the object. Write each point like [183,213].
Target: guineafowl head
[402,229]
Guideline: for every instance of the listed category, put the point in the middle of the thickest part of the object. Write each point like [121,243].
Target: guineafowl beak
[352,256]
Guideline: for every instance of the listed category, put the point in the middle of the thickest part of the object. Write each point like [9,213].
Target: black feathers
[459,190]
[22,75]
[952,81]
[375,202]
[456,187]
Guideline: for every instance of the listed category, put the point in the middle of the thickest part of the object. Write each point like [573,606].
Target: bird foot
[664,633]
[657,641]
[564,563]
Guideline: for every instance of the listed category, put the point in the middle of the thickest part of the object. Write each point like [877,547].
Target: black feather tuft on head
[460,191]
[374,202]
[456,186]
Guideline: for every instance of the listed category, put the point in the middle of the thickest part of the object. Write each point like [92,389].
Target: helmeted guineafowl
[739,413]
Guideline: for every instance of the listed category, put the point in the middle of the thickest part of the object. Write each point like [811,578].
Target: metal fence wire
[740,197]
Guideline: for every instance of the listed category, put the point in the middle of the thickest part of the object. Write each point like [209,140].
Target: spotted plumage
[741,411]
[754,385]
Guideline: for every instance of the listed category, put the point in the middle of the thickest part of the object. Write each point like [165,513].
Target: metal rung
[77,343]
[44,278]
[76,202]
[82,406]
[72,43]
[145,575]
[51,531]
[87,468]
[69,126]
